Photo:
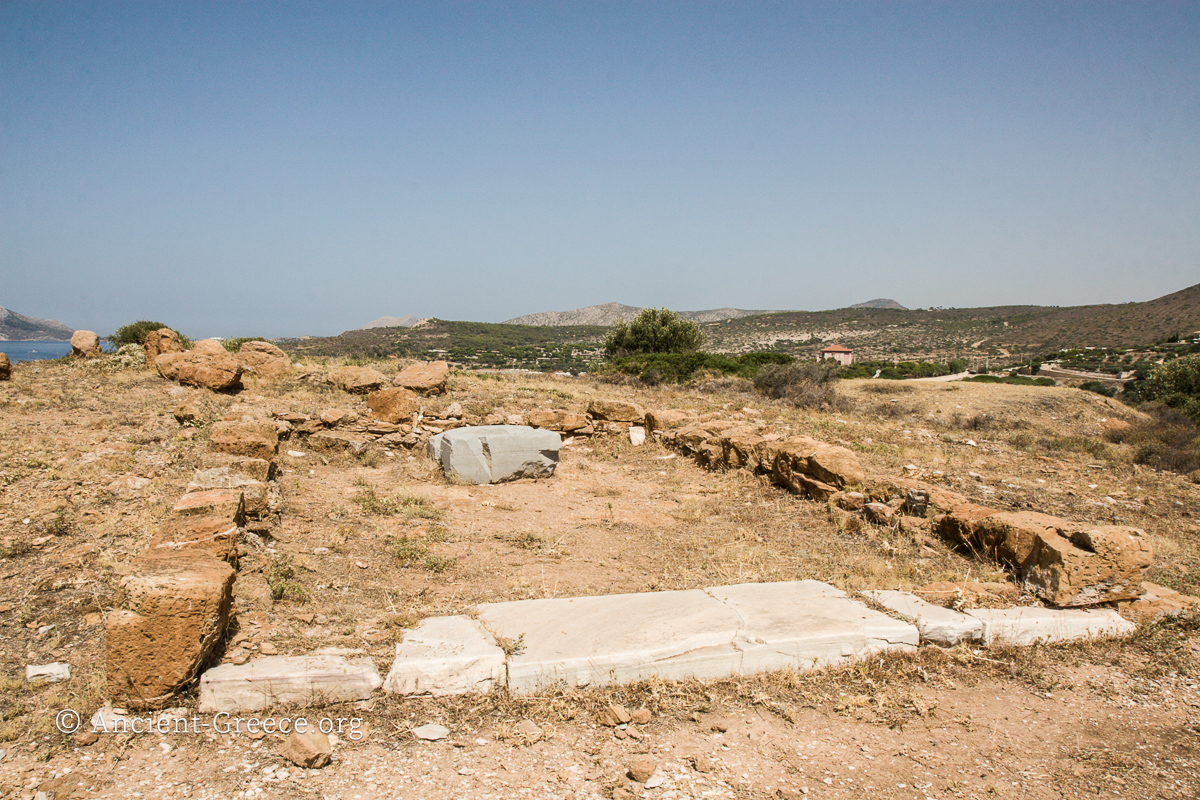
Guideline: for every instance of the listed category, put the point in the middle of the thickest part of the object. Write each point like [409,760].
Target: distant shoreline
[19,350]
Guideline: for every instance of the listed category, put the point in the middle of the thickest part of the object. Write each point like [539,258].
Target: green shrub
[235,344]
[1099,388]
[656,368]
[806,385]
[1176,384]
[135,333]
[653,330]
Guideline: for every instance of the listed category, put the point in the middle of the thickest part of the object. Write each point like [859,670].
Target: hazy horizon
[304,168]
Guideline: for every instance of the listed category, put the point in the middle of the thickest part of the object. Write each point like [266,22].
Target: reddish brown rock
[742,447]
[393,405]
[217,371]
[565,421]
[1065,563]
[939,499]
[174,610]
[828,463]
[878,513]
[85,344]
[851,501]
[1155,602]
[616,411]
[337,440]
[210,347]
[263,359]
[426,379]
[5,367]
[310,749]
[357,380]
[666,419]
[163,340]
[214,533]
[250,439]
[226,503]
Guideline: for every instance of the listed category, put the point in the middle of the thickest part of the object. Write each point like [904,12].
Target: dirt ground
[91,459]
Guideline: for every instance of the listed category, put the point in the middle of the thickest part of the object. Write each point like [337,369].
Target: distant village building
[841,355]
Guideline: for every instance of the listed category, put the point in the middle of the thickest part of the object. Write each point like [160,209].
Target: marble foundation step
[937,625]
[303,680]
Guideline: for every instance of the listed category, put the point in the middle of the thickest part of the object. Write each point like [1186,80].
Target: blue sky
[299,168]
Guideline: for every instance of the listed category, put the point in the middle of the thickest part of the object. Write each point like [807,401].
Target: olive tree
[653,330]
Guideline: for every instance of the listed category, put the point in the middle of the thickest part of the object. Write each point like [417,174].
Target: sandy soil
[92,459]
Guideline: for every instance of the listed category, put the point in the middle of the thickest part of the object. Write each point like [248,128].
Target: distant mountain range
[610,313]
[17,327]
[390,322]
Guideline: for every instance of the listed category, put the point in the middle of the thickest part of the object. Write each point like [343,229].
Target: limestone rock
[426,379]
[394,405]
[616,411]
[431,732]
[174,612]
[338,441]
[5,367]
[85,344]
[213,533]
[565,421]
[212,347]
[263,359]
[666,419]
[613,715]
[51,673]
[1065,563]
[641,768]
[190,410]
[358,380]
[250,439]
[496,453]
[637,435]
[827,463]
[338,416]
[163,340]
[217,371]
[310,749]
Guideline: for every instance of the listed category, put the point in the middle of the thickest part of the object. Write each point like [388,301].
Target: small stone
[637,435]
[268,649]
[656,780]
[613,715]
[529,730]
[56,671]
[640,716]
[86,738]
[642,768]
[703,764]
[310,749]
[431,733]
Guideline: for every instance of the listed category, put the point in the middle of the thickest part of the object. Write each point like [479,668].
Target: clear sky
[288,168]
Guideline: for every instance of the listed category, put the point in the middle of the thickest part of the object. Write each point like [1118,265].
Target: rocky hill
[18,327]
[610,313]
[390,322]
[879,302]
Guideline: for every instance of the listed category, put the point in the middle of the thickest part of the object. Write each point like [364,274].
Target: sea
[40,350]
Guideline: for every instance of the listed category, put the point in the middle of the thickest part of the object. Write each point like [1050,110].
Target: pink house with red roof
[842,355]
